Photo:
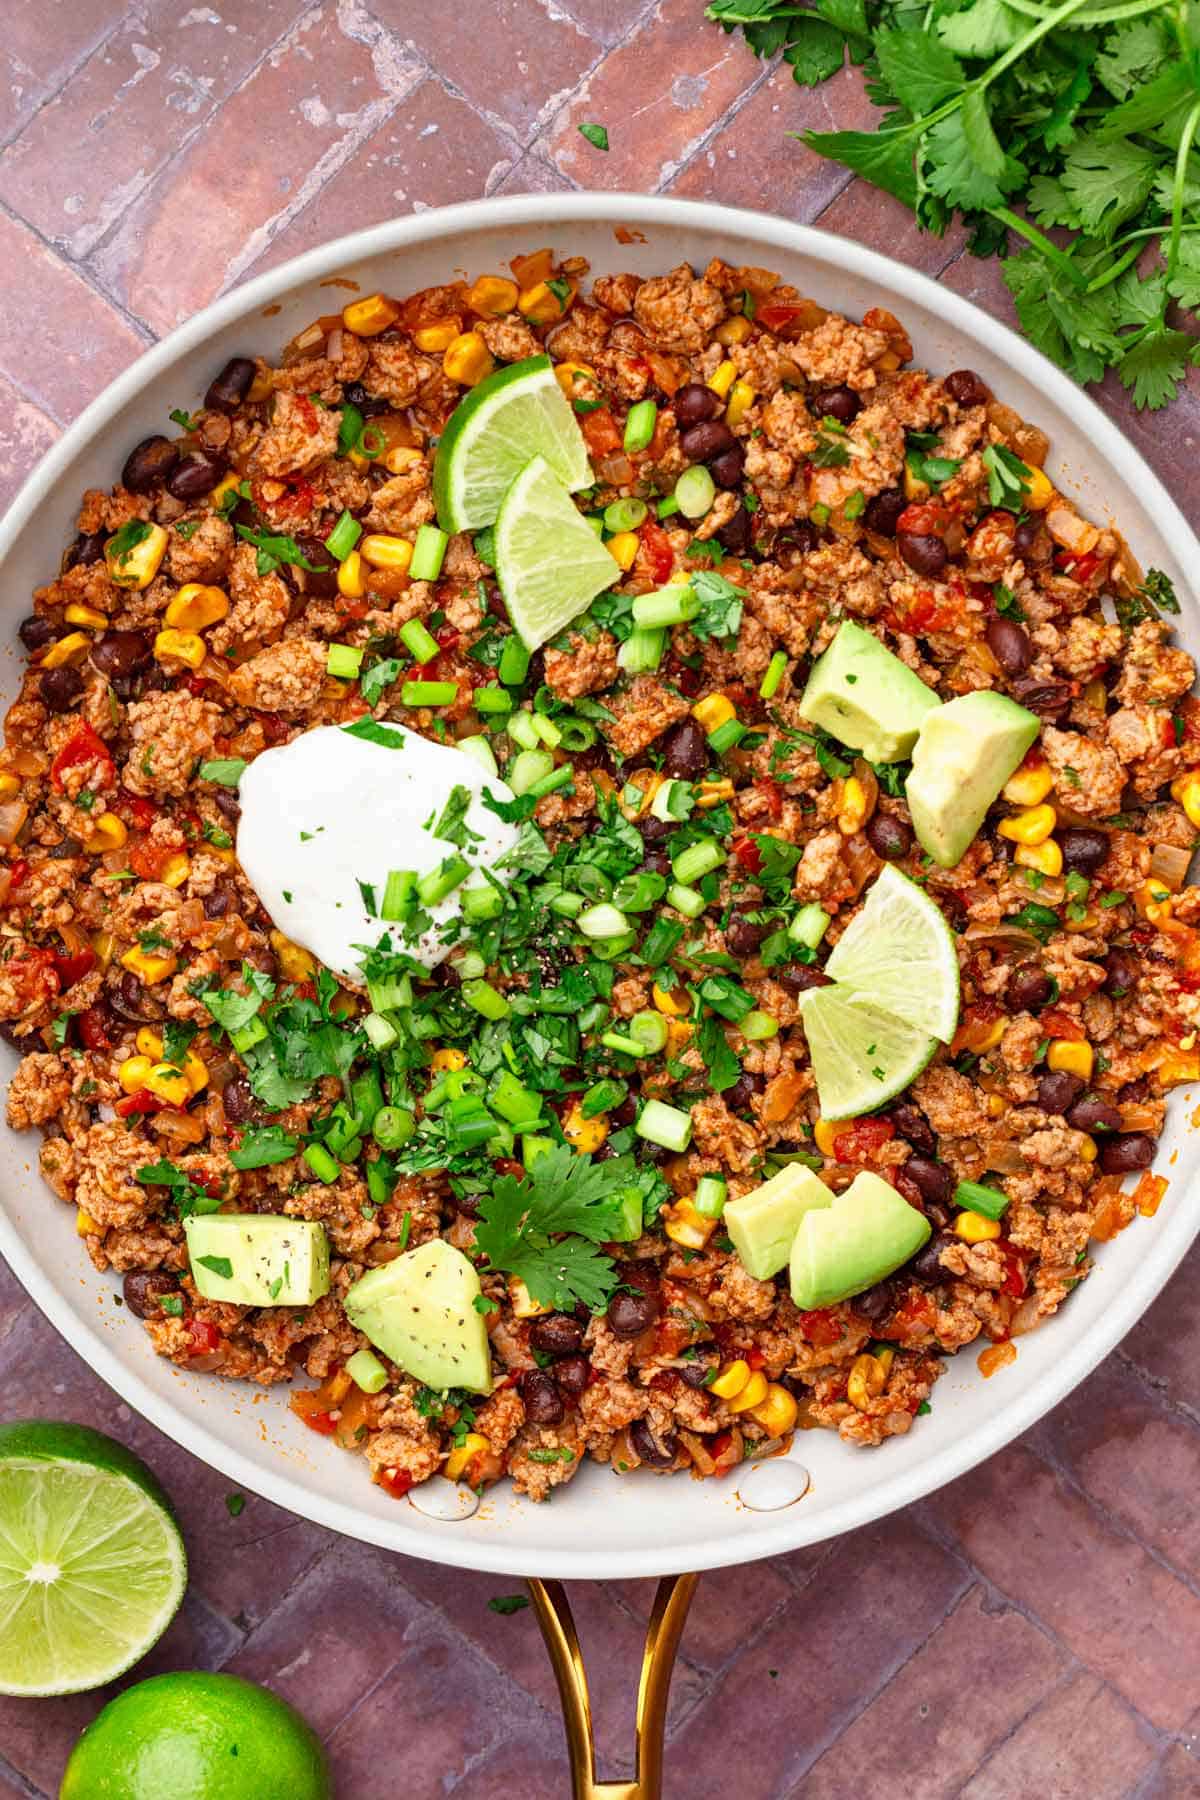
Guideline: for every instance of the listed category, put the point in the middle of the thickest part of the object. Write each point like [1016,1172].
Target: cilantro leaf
[919,70]
[720,612]
[379,676]
[596,135]
[262,1146]
[275,548]
[722,1065]
[545,1229]
[226,771]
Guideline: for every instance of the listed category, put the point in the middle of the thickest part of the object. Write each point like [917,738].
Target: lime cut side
[515,414]
[92,1565]
[862,1055]
[900,953]
[549,562]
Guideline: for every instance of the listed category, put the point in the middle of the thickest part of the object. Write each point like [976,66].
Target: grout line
[135,15]
[18,1781]
[82,274]
[676,169]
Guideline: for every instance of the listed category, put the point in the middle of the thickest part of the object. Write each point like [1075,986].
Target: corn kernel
[150,1044]
[523,1304]
[9,785]
[1088,1150]
[368,317]
[107,833]
[295,963]
[196,606]
[351,581]
[679,1035]
[914,488]
[987,1038]
[685,1226]
[731,1380]
[853,811]
[105,946]
[713,793]
[85,615]
[132,1073]
[1030,827]
[384,552]
[137,567]
[997,1106]
[196,1070]
[713,710]
[1040,491]
[778,1412]
[85,1225]
[570,376]
[401,458]
[732,331]
[1186,789]
[467,359]
[825,1131]
[1031,783]
[176,870]
[586,1135]
[753,1394]
[1071,1056]
[722,379]
[180,646]
[1047,858]
[492,295]
[1153,902]
[433,338]
[741,399]
[166,1082]
[455,1465]
[974,1228]
[152,966]
[670,1002]
[624,547]
[885,1358]
[445,1061]
[542,305]
[228,484]
[68,650]
[866,1379]
[1096,694]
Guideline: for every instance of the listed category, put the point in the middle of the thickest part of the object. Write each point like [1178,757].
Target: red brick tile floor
[1035,1629]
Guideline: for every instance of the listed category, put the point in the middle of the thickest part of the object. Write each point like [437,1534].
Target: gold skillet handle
[671,1604]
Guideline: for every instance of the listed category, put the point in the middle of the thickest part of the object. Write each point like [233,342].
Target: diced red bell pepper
[1078,568]
[821,1327]
[205,1337]
[861,1142]
[784,316]
[72,968]
[142,812]
[82,748]
[658,552]
[395,1482]
[1015,1282]
[1058,1024]
[149,860]
[746,854]
[143,1101]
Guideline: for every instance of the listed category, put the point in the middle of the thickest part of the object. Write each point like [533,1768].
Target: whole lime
[195,1736]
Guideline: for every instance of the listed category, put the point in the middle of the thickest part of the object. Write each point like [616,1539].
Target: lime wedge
[514,415]
[861,1055]
[549,562]
[899,952]
[92,1566]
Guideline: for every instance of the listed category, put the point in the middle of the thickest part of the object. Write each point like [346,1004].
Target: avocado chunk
[846,1248]
[865,697]
[258,1259]
[763,1223]
[965,753]
[420,1311]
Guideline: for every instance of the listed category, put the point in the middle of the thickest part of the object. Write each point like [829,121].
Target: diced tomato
[19,874]
[920,614]
[32,973]
[93,1029]
[772,793]
[71,969]
[83,748]
[149,860]
[141,1102]
[926,518]
[395,1482]
[1014,1280]
[1078,568]
[821,1327]
[1056,1023]
[657,548]
[785,317]
[755,1358]
[747,854]
[274,729]
[600,432]
[205,1337]
[915,1318]
[142,812]
[198,685]
[863,1140]
[308,413]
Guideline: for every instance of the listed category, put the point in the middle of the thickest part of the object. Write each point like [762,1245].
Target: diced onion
[1169,864]
[13,814]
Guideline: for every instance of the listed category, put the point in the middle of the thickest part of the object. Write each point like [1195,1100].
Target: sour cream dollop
[332,810]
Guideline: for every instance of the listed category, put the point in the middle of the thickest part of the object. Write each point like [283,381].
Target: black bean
[696,404]
[726,469]
[651,1153]
[631,1314]
[840,403]
[653,830]
[798,978]
[1048,699]
[685,751]
[656,1452]
[543,1402]
[228,803]
[132,1000]
[148,464]
[700,443]
[965,386]
[197,475]
[802,536]
[557,1334]
[367,404]
[1094,1114]
[743,937]
[934,1179]
[878,1301]
[1120,973]
[143,1289]
[37,631]
[1028,987]
[227,390]
[625,1113]
[883,511]
[1028,538]
[267,963]
[466,1205]
[60,688]
[737,534]
[572,1374]
[738,1097]
[238,1100]
[656,862]
[1058,1091]
[925,554]
[592,756]
[1083,849]
[696,1371]
[1122,1155]
[87,549]
[1009,644]
[320,581]
[888,837]
[121,653]
[926,1265]
[913,1126]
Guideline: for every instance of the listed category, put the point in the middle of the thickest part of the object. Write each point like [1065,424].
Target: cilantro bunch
[1082,118]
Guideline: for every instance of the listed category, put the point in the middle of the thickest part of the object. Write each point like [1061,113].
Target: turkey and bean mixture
[253,575]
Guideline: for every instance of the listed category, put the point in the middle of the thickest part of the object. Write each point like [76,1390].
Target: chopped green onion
[819,513]
[443,880]
[568,905]
[398,895]
[776,670]
[428,693]
[639,891]
[664,1125]
[419,641]
[671,801]
[366,1371]
[343,537]
[492,699]
[468,964]
[550,783]
[482,752]
[393,1126]
[603,921]
[625,1046]
[547,731]
[366,1098]
[349,428]
[975,1197]
[809,925]
[323,1166]
[533,1147]
[484,999]
[522,731]
[649,1028]
[710,1198]
[602,1097]
[624,515]
[610,949]
[429,550]
[666,509]
[479,903]
[575,735]
[642,652]
[471,1122]
[514,662]
[390,996]
[697,860]
[527,768]
[661,939]
[639,425]
[695,492]
[513,1101]
[854,505]
[381,1033]
[666,606]
[687,900]
[726,736]
[757,1026]
[344,661]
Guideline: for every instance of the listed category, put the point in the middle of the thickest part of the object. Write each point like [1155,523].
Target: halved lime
[518,413]
[549,562]
[92,1565]
[899,952]
[862,1056]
